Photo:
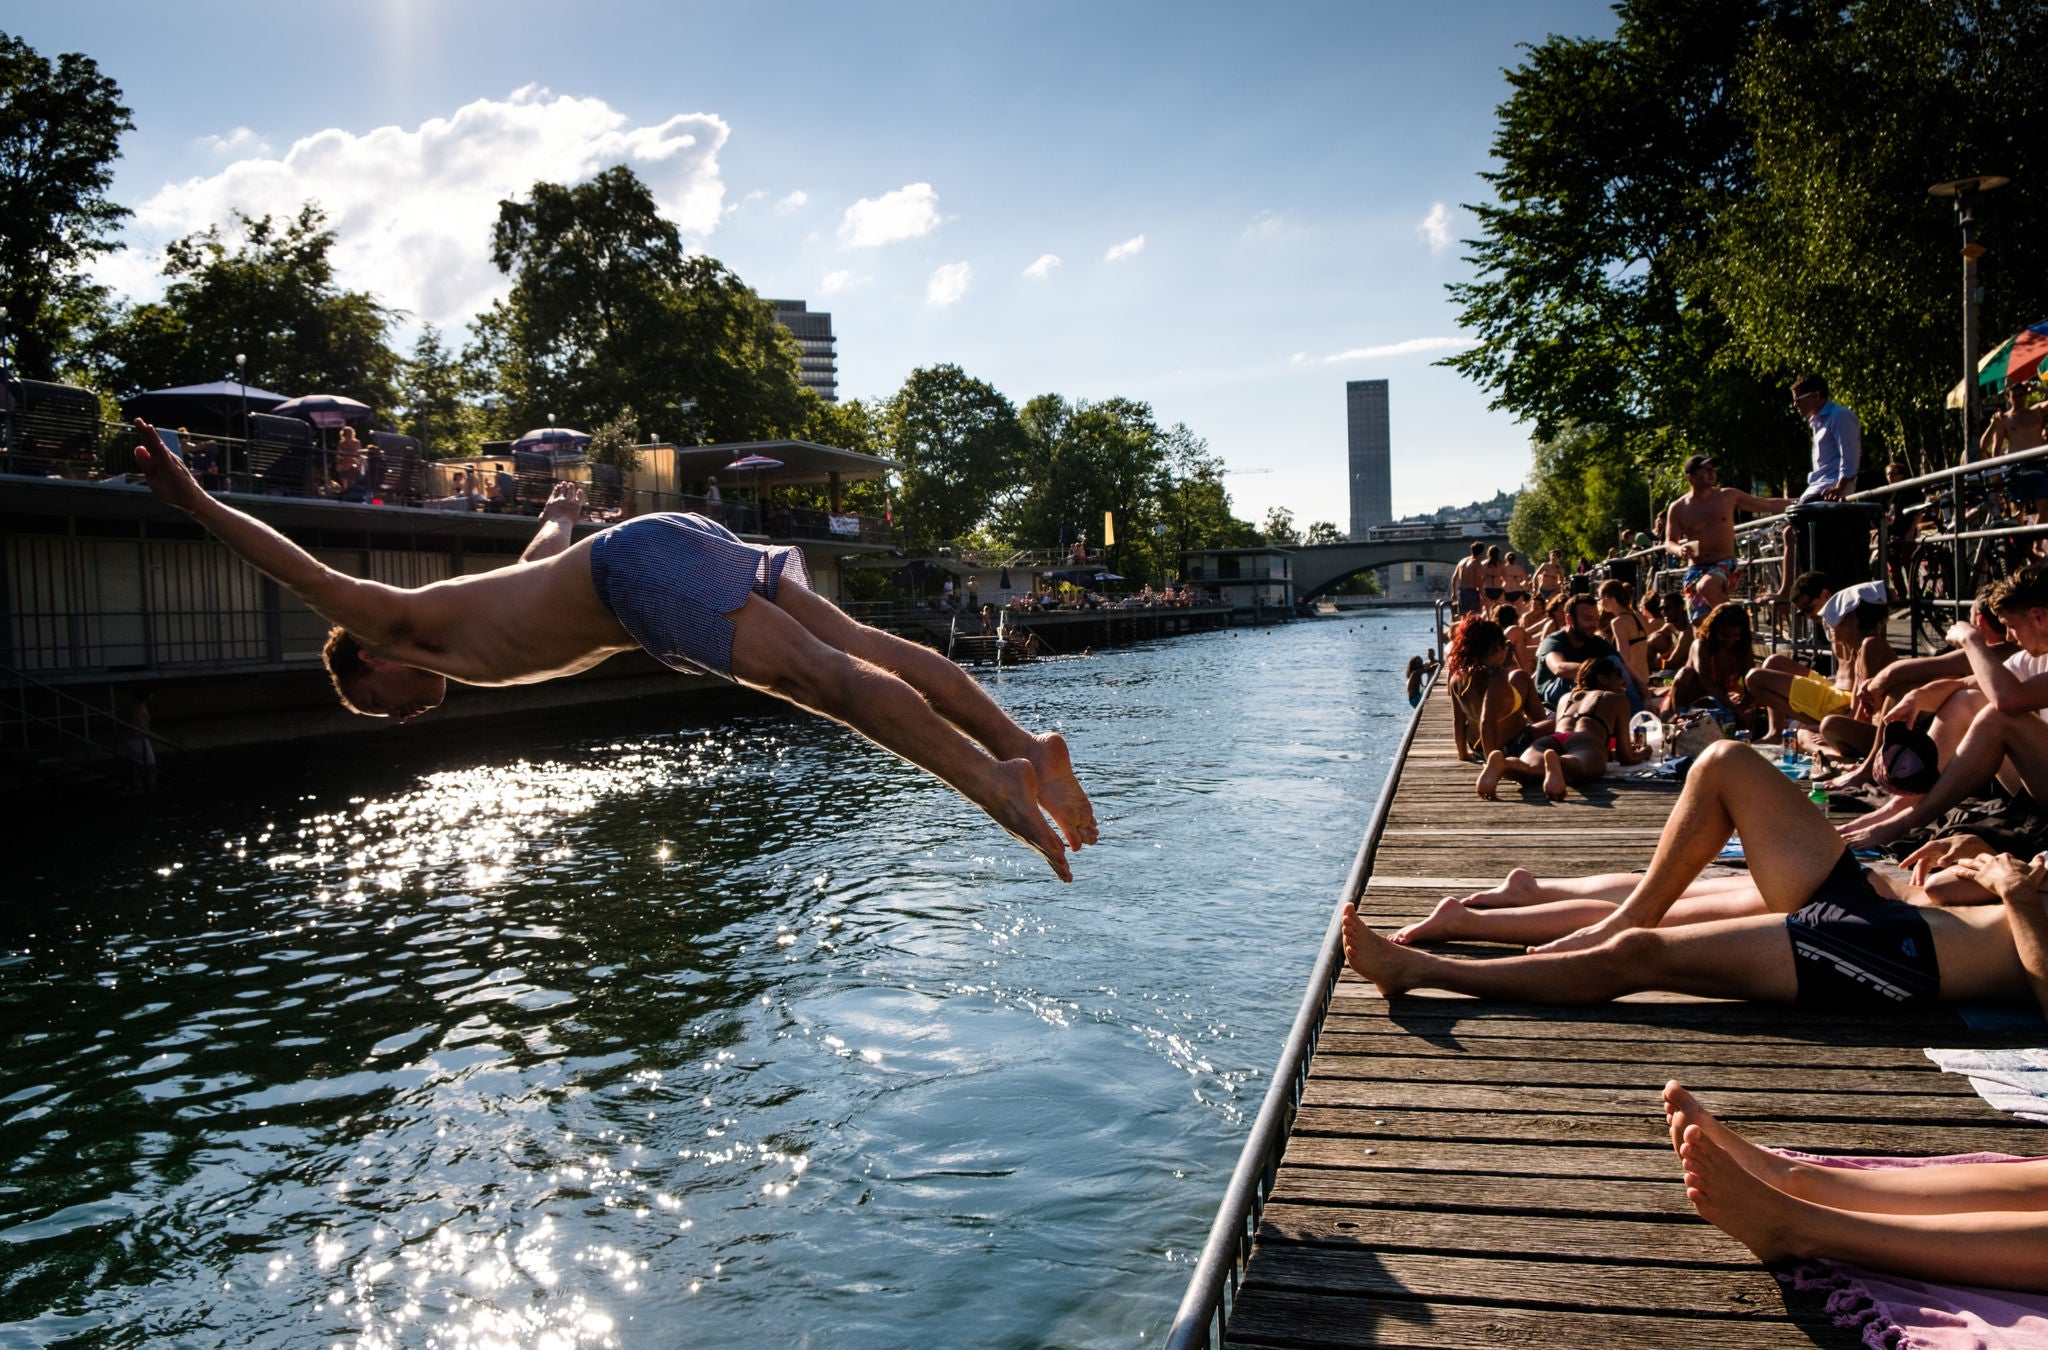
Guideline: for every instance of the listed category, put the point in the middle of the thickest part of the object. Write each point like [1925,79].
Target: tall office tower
[1372,484]
[818,367]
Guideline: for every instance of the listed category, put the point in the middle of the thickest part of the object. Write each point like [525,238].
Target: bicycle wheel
[1930,575]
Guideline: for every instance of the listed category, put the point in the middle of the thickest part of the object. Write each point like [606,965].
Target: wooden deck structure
[1471,1173]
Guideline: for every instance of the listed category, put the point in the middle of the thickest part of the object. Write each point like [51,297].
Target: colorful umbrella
[2016,359]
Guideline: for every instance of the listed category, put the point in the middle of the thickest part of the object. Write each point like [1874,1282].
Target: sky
[1226,211]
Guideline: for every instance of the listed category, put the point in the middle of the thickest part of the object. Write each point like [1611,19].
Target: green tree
[1593,300]
[264,289]
[1323,532]
[609,311]
[440,403]
[1579,487]
[1839,262]
[959,442]
[60,132]
[1194,504]
[616,442]
[1279,529]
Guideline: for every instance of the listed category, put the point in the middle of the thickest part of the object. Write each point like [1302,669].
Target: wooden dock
[1470,1173]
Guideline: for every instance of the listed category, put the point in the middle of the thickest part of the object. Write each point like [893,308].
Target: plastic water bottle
[1815,793]
[1647,727]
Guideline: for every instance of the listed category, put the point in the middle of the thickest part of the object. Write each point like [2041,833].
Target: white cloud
[792,201]
[1299,358]
[906,213]
[412,209]
[1406,347]
[948,284]
[834,282]
[1265,225]
[1042,269]
[240,141]
[1129,248]
[1435,228]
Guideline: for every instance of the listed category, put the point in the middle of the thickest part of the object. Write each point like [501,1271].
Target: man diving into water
[692,595]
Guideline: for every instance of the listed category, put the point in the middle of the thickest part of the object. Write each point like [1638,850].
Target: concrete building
[1372,486]
[818,367]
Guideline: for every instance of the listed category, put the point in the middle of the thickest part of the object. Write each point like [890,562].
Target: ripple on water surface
[710,1034]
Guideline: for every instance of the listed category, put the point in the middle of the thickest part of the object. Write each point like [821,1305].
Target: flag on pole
[1108,530]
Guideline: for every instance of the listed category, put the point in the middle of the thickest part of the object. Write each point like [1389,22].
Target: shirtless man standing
[1700,527]
[1467,577]
[1549,580]
[697,599]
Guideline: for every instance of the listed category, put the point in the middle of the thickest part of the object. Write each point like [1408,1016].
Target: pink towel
[1896,1312]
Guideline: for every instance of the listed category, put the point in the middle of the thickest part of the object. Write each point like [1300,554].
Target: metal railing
[1940,506]
[34,715]
[1219,1271]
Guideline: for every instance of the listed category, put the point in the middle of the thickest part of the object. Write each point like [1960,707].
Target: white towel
[2014,1081]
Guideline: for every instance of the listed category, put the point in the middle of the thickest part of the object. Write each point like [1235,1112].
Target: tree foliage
[1580,485]
[439,400]
[1837,260]
[263,288]
[60,132]
[1729,193]
[959,442]
[609,311]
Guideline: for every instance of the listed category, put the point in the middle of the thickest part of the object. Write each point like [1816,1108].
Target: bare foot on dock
[1377,959]
[1682,1110]
[1490,776]
[1446,921]
[1553,776]
[1519,887]
[1757,1215]
[1014,805]
[1059,791]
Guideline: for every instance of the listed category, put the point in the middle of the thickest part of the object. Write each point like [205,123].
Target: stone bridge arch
[1318,568]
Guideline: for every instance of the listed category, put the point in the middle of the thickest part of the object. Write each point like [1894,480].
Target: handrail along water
[1204,1309]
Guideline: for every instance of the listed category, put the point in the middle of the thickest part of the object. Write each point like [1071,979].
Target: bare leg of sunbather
[1523,887]
[1554,780]
[1499,766]
[1789,847]
[1992,736]
[1453,920]
[1881,1190]
[2005,1249]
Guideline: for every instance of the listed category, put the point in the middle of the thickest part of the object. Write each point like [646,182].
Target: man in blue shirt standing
[1837,441]
[1837,455]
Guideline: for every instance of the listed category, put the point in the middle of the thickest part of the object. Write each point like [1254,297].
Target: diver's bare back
[521,624]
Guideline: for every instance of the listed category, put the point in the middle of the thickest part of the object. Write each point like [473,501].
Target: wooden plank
[1520,1236]
[1741,1103]
[1576,1285]
[1921,1080]
[1993,1133]
[1291,1318]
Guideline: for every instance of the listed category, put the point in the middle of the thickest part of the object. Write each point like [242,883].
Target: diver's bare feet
[1745,1208]
[1519,887]
[1014,805]
[1553,775]
[1059,791]
[1377,959]
[1490,776]
[1445,921]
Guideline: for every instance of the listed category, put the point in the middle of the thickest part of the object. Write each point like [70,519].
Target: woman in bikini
[1492,703]
[1493,576]
[1619,623]
[1521,646]
[1593,716]
[1672,643]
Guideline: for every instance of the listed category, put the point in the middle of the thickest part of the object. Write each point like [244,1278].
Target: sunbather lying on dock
[692,595]
[1827,938]
[1589,719]
[1983,1223]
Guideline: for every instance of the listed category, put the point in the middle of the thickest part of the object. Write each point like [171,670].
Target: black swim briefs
[1855,950]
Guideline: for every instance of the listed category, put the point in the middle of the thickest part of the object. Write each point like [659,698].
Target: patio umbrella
[2016,359]
[1004,583]
[552,438]
[760,463]
[326,411]
[214,406]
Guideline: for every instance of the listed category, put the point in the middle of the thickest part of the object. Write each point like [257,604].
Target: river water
[670,1027]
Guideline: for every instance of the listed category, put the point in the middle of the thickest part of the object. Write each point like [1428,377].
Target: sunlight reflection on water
[690,1033]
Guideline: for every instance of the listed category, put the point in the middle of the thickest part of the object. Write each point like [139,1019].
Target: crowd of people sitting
[1940,761]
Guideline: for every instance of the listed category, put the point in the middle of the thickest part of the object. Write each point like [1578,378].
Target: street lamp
[1966,191]
[241,379]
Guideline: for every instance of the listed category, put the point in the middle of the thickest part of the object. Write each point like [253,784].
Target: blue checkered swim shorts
[672,579]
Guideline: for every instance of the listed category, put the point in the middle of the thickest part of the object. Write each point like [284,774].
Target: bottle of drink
[1788,741]
[1815,793]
